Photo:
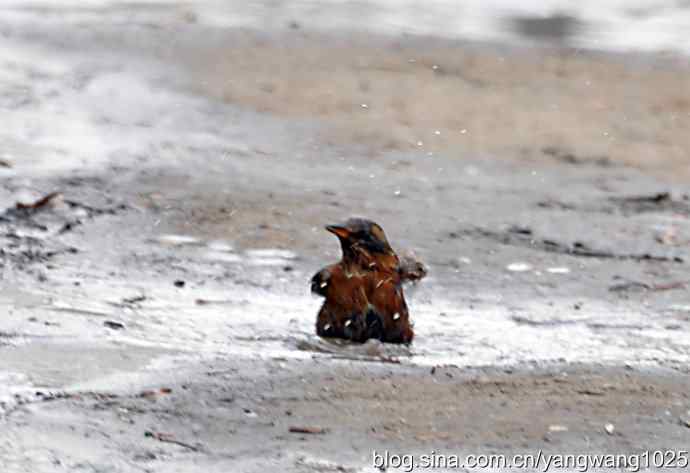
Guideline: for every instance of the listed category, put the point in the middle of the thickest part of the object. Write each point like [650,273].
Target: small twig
[635,285]
[42,202]
[168,438]
[670,286]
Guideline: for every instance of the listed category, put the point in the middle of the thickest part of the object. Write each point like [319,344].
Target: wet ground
[162,295]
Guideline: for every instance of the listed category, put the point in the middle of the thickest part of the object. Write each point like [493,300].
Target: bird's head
[360,233]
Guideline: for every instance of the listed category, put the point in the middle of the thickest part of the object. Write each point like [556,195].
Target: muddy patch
[31,231]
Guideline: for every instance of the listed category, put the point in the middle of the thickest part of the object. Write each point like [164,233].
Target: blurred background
[598,80]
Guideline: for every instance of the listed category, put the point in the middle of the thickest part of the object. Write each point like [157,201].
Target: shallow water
[236,319]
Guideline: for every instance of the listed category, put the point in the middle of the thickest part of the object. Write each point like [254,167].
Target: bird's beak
[338,230]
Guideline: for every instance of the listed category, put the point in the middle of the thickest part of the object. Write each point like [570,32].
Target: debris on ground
[152,394]
[133,300]
[629,286]
[40,203]
[169,438]
[308,430]
[555,204]
[114,325]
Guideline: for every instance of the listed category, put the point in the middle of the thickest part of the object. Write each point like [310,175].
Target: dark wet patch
[557,28]
[663,202]
[6,336]
[524,237]
[602,326]
[82,181]
[569,157]
[522,320]
[10,338]
[630,286]
[554,204]
[657,202]
[372,350]
[21,252]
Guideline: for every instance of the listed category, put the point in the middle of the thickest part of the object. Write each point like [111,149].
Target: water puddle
[253,322]
[234,318]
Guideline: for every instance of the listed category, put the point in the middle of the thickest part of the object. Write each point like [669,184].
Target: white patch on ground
[519,267]
[177,240]
[600,333]
[271,253]
[11,386]
[223,257]
[220,246]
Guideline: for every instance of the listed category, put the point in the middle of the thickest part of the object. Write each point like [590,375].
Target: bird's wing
[411,269]
[320,281]
[388,301]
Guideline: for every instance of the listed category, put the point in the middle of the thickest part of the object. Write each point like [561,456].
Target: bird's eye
[377,232]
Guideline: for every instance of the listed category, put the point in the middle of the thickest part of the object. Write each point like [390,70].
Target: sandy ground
[156,314]
[457,99]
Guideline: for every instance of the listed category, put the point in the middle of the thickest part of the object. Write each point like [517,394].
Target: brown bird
[363,292]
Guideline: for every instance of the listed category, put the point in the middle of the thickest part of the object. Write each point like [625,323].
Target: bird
[363,292]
